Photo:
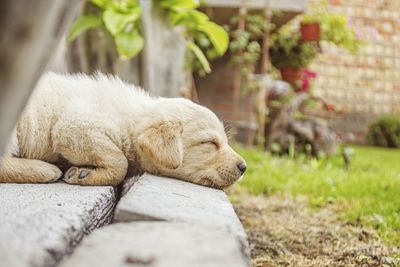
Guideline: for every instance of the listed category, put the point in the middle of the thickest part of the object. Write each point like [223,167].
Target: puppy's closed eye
[213,143]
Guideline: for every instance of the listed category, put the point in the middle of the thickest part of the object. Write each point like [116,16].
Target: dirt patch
[285,232]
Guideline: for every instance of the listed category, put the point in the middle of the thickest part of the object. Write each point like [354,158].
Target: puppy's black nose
[242,167]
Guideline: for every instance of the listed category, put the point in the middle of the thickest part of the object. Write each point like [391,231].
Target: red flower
[307,77]
[309,74]
[305,85]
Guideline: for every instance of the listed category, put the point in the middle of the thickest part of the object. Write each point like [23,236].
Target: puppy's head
[189,143]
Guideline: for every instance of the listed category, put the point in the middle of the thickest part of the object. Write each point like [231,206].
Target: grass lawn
[369,193]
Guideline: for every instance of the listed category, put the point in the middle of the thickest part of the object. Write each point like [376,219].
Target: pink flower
[359,34]
[305,85]
[373,32]
[307,77]
[310,74]
[349,23]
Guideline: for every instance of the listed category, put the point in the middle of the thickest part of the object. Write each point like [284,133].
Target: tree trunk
[30,31]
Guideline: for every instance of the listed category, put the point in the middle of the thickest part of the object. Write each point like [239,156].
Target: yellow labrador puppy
[95,130]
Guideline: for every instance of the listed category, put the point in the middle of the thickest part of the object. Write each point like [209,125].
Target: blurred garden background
[310,92]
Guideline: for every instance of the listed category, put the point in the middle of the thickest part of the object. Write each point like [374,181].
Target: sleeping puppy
[95,130]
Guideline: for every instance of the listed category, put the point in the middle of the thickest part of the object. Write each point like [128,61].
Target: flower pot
[310,32]
[291,75]
[336,2]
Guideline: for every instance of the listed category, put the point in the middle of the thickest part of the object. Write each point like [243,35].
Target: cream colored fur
[96,129]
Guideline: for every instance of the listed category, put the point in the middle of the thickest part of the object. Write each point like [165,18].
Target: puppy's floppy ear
[162,142]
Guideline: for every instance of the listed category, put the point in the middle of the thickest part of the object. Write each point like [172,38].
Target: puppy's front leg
[108,168]
[98,162]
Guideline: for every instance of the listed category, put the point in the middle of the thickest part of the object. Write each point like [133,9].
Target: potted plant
[310,29]
[336,2]
[290,55]
[322,25]
[336,29]
[310,25]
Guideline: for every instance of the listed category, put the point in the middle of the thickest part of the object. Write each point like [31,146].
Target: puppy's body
[100,127]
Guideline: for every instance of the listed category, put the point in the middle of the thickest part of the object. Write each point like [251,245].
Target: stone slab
[157,244]
[40,223]
[154,198]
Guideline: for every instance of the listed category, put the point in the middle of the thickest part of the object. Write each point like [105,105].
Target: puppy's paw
[53,175]
[75,175]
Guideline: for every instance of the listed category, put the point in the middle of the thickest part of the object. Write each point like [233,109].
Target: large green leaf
[189,18]
[179,4]
[126,6]
[116,22]
[200,56]
[129,44]
[217,35]
[82,24]
[101,3]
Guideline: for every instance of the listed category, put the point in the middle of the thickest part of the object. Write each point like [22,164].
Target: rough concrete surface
[157,244]
[39,223]
[154,198]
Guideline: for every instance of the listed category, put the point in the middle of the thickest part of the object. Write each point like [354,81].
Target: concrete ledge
[154,198]
[159,222]
[157,244]
[40,223]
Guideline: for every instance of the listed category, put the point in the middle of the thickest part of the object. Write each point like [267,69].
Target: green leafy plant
[245,45]
[121,19]
[205,39]
[335,28]
[287,50]
[385,132]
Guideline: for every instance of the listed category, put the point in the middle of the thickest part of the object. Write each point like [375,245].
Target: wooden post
[237,84]
[265,45]
[163,56]
[262,97]
[30,31]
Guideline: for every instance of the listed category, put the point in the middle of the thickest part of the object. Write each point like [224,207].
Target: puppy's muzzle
[242,167]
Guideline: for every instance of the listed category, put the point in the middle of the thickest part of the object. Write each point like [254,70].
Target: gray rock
[157,244]
[40,223]
[154,198]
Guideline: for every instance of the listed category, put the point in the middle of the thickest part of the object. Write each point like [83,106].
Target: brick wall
[365,85]
[216,92]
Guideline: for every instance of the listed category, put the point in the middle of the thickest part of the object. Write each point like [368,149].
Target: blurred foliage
[367,193]
[385,132]
[205,39]
[121,19]
[287,49]
[245,46]
[335,28]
